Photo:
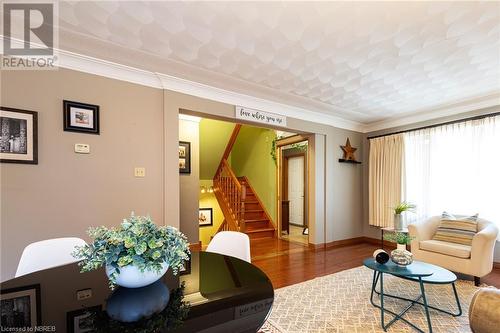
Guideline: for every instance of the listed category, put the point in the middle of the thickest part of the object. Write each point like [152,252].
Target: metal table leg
[422,292]
[397,316]
[416,301]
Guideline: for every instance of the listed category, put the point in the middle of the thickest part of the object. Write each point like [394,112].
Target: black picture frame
[19,293]
[27,146]
[89,117]
[184,157]
[210,213]
[187,266]
[79,314]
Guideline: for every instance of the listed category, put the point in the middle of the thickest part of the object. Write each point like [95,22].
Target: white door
[296,189]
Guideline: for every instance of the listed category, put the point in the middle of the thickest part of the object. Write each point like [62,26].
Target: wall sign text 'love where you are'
[261,117]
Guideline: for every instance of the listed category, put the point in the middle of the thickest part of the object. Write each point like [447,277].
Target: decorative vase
[401,257]
[398,222]
[381,256]
[131,277]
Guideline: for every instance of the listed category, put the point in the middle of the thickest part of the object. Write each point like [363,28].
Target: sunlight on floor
[296,235]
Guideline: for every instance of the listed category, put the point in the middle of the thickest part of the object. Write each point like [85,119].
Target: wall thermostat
[82,148]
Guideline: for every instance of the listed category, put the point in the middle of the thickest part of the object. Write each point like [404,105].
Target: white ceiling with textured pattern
[362,61]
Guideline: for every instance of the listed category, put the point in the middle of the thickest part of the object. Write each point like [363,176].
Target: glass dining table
[216,293]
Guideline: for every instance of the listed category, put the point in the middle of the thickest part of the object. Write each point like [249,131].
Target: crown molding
[113,70]
[447,110]
[91,65]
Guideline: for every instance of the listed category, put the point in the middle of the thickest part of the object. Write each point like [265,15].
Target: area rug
[340,303]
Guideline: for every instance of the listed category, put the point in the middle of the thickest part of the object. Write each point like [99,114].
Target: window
[455,168]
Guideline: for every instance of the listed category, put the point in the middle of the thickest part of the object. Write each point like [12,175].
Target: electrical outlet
[82,148]
[140,172]
[83,294]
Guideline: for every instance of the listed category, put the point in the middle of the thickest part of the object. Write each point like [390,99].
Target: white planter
[131,277]
[402,247]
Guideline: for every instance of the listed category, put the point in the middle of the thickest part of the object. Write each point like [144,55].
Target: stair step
[260,233]
[255,220]
[259,230]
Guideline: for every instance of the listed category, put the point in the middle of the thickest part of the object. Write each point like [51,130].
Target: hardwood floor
[288,263]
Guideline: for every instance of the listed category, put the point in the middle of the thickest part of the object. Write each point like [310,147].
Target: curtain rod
[436,125]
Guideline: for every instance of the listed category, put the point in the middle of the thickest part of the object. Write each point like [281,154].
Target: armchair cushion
[456,230]
[446,248]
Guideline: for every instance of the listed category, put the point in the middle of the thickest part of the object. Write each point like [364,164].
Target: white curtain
[455,168]
[385,180]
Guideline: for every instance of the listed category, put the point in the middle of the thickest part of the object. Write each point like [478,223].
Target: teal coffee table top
[429,273]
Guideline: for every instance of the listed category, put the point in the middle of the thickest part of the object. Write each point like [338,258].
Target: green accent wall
[251,157]
[214,136]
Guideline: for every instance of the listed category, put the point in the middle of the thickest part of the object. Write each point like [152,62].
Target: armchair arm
[483,244]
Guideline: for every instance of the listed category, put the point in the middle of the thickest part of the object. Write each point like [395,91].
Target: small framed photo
[187,266]
[184,157]
[79,321]
[20,307]
[18,136]
[205,217]
[81,117]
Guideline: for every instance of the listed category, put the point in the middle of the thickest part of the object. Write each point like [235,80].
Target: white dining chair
[231,243]
[47,253]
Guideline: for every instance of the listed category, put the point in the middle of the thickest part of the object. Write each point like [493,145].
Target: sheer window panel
[455,168]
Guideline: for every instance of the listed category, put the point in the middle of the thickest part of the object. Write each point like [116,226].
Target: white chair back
[231,243]
[48,253]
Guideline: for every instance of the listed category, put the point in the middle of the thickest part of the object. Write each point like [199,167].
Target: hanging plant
[298,146]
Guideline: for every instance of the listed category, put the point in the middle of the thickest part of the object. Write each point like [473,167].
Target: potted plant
[136,254]
[398,210]
[400,255]
[400,238]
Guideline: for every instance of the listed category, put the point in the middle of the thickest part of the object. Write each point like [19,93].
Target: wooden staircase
[257,221]
[243,210]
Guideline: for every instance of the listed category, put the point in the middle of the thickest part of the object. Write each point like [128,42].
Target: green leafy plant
[298,146]
[139,242]
[404,207]
[399,237]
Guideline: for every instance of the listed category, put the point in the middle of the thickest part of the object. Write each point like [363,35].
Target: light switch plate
[83,294]
[140,172]
[82,148]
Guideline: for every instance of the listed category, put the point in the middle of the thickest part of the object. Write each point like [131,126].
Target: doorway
[293,173]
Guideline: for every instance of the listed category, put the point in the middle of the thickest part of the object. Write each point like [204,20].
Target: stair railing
[233,195]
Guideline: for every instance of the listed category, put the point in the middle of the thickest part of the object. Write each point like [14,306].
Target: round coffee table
[420,272]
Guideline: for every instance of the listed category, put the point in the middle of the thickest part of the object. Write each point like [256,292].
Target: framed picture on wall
[184,157]
[20,307]
[205,217]
[79,321]
[18,136]
[81,117]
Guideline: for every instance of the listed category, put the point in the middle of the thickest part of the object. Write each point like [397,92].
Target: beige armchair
[475,260]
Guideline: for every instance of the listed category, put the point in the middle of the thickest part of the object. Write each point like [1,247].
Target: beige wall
[67,192]
[189,189]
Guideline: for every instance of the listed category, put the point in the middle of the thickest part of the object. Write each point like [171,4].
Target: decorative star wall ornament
[348,151]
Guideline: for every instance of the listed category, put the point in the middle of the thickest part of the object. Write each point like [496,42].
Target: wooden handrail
[231,174]
[231,142]
[228,190]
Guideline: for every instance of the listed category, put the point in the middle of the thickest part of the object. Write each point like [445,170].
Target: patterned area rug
[340,303]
